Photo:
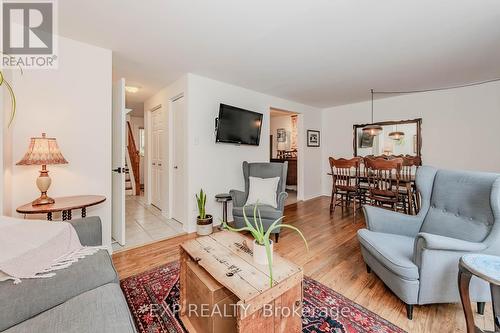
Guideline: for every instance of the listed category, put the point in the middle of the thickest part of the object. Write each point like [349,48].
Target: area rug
[153,298]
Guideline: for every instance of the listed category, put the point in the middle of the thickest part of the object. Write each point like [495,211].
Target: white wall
[163,98]
[217,167]
[72,104]
[459,129]
[280,122]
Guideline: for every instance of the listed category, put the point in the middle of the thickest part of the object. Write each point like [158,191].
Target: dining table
[407,181]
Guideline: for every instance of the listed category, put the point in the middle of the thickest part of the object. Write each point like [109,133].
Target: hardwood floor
[334,259]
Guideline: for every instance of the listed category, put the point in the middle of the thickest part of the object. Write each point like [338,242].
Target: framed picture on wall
[313,138]
[281,135]
[366,140]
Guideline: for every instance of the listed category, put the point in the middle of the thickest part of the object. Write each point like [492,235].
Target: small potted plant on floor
[204,221]
[263,246]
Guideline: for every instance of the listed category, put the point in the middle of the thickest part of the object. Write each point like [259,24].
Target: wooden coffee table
[218,275]
[64,205]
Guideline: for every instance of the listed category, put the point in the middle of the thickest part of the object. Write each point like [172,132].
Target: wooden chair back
[345,172]
[410,166]
[384,176]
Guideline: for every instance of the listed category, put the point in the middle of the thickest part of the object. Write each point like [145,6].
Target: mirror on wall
[389,141]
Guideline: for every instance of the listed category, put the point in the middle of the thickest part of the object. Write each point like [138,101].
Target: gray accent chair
[269,214]
[83,298]
[417,256]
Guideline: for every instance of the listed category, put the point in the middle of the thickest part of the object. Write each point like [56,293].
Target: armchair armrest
[443,243]
[281,200]
[238,197]
[432,242]
[386,221]
[89,230]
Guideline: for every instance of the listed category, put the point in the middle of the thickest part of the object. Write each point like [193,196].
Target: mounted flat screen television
[239,126]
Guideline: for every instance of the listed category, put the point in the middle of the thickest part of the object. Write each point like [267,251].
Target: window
[141,141]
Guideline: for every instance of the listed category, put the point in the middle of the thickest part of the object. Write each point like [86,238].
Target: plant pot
[204,226]
[259,253]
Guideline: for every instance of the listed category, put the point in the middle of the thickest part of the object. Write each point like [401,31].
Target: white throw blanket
[34,249]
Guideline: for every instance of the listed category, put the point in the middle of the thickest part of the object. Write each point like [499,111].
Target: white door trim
[171,133]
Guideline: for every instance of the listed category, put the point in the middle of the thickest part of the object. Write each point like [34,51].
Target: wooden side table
[224,198]
[486,267]
[64,205]
[218,277]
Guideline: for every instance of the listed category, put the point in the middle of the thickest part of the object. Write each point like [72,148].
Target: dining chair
[345,173]
[408,172]
[383,181]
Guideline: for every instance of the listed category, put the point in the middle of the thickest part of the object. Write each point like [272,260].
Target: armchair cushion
[394,252]
[266,212]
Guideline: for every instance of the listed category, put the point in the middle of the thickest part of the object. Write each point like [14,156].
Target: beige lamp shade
[43,151]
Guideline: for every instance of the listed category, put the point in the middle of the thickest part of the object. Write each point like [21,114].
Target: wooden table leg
[463,284]
[69,216]
[495,299]
[64,215]
[84,212]
[49,216]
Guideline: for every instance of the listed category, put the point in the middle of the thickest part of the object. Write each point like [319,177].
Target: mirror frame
[417,121]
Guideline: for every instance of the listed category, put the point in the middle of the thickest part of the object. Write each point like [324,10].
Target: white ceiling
[320,52]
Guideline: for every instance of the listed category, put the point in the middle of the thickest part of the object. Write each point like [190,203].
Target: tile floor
[145,224]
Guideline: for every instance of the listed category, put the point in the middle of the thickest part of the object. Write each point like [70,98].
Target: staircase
[129,190]
[132,175]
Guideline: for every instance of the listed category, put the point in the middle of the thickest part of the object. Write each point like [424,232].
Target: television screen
[238,126]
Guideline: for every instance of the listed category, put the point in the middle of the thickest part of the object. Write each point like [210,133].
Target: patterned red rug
[153,299]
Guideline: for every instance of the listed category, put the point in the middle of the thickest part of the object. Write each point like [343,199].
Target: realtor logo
[28,34]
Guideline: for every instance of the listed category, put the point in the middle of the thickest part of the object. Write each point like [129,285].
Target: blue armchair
[417,256]
[269,214]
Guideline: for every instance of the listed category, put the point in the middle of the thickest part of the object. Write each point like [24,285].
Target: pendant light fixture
[397,135]
[372,129]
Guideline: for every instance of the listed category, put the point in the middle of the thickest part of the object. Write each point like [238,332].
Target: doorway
[285,146]
[140,219]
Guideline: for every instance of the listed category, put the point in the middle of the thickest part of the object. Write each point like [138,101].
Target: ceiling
[321,53]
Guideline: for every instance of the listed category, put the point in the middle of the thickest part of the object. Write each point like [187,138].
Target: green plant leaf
[269,260]
[255,233]
[260,220]
[272,226]
[293,228]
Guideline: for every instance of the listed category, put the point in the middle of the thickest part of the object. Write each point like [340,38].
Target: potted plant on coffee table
[262,245]
[204,222]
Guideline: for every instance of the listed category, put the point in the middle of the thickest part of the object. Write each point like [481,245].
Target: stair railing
[135,160]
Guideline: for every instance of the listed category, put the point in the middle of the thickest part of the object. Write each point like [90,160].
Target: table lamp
[43,151]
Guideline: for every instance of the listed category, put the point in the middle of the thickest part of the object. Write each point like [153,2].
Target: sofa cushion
[266,212]
[19,302]
[99,310]
[395,252]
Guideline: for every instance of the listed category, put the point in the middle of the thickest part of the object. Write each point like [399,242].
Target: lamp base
[43,183]
[43,200]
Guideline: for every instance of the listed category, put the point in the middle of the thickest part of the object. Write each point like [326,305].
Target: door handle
[159,164]
[154,163]
[175,167]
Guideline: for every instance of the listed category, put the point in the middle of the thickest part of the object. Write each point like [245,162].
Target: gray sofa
[269,214]
[86,297]
[417,256]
